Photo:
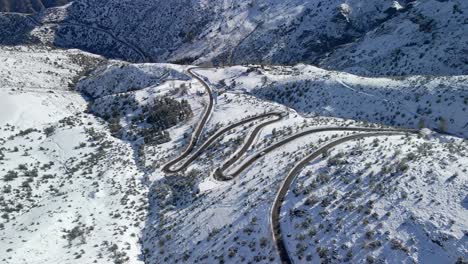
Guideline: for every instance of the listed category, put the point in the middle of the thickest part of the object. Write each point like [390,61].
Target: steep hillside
[316,131]
[125,95]
[375,38]
[372,196]
[381,199]
[29,6]
[16,29]
[40,68]
[70,192]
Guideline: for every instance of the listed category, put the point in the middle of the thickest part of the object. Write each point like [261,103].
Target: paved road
[198,130]
[277,116]
[275,212]
[252,159]
[271,118]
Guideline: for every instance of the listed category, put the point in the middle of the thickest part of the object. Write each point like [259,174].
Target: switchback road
[270,118]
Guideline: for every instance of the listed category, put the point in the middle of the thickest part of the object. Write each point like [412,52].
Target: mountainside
[412,102]
[84,177]
[234,131]
[29,6]
[373,38]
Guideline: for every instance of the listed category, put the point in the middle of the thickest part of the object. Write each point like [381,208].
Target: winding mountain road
[221,175]
[167,168]
[287,182]
[198,130]
[252,159]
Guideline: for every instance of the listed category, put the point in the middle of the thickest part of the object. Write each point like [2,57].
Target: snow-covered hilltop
[372,38]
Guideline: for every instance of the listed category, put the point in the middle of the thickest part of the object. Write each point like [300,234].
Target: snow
[409,102]
[424,203]
[40,68]
[106,199]
[374,38]
[229,220]
[117,77]
[41,209]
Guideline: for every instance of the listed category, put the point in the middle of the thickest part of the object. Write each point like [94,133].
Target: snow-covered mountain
[83,180]
[369,38]
[115,148]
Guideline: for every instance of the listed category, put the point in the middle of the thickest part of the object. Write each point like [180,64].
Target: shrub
[49,131]
[312,200]
[398,245]
[11,175]
[402,166]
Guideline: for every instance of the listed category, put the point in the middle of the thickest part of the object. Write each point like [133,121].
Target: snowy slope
[119,77]
[77,194]
[71,193]
[430,39]
[28,6]
[439,103]
[41,68]
[195,218]
[399,199]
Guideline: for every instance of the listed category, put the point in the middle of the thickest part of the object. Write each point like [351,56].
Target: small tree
[114,126]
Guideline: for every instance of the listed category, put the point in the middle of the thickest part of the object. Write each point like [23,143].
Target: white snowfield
[76,194]
[32,68]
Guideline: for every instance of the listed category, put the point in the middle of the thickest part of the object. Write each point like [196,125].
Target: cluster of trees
[166,112]
[148,120]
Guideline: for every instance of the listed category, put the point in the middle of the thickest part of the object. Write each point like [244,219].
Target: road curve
[275,226]
[219,175]
[286,184]
[198,130]
[277,116]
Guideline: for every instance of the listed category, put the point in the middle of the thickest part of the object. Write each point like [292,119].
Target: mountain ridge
[379,38]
